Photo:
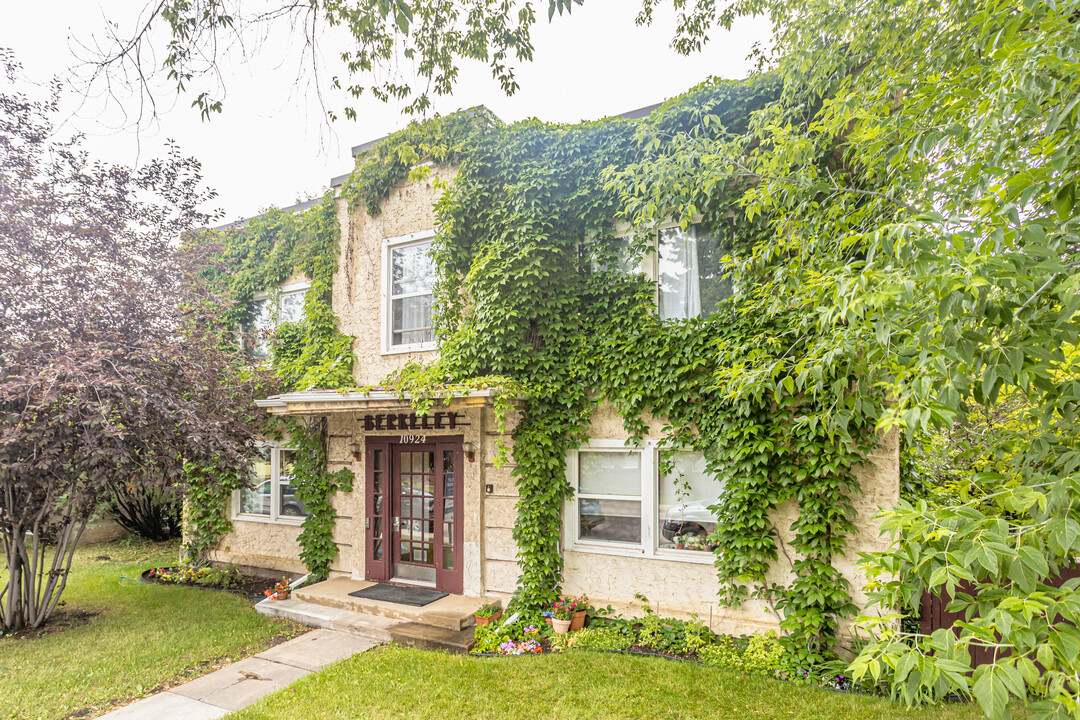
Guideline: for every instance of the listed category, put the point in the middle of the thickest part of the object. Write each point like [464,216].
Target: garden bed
[252,587]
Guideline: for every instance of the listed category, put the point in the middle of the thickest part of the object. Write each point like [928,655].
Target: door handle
[397,523]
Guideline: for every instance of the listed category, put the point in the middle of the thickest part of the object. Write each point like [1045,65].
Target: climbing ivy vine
[528,291]
[311,352]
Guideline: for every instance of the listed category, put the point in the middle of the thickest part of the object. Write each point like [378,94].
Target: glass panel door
[414,516]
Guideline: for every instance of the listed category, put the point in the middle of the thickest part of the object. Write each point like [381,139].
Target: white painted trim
[650,522]
[384,293]
[275,517]
[283,290]
[281,401]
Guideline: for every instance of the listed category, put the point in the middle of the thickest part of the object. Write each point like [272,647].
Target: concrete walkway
[238,685]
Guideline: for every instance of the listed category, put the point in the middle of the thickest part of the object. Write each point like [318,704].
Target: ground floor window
[627,502]
[272,496]
[685,494]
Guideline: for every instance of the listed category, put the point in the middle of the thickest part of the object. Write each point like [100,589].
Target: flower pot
[561,626]
[482,621]
[578,622]
[548,621]
[282,595]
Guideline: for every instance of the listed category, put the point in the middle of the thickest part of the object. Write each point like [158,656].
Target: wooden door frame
[381,570]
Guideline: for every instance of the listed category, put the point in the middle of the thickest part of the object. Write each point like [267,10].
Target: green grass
[396,682]
[143,636]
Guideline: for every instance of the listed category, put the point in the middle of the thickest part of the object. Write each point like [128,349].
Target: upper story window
[268,314]
[625,504]
[408,280]
[687,268]
[272,497]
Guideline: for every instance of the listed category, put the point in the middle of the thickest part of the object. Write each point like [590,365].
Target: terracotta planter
[482,621]
[548,621]
[578,622]
[282,595]
[561,626]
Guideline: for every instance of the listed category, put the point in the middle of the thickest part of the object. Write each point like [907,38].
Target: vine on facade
[528,290]
[311,352]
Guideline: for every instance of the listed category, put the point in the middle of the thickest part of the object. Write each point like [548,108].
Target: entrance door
[414,512]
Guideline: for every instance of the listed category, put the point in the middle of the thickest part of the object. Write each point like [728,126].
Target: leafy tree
[108,372]
[919,175]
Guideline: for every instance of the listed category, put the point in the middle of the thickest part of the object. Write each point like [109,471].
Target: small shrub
[671,635]
[600,638]
[523,632]
[487,638]
[761,654]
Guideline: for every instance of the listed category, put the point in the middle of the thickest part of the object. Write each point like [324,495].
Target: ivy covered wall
[527,290]
[528,297]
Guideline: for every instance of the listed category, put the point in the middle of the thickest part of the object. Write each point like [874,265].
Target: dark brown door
[414,512]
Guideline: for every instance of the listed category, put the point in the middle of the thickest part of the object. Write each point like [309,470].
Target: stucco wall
[683,587]
[408,208]
[273,545]
[101,531]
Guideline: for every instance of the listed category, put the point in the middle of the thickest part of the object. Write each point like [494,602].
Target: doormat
[417,597]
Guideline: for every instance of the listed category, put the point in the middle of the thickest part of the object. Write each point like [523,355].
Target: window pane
[690,279]
[289,505]
[609,473]
[685,496]
[292,307]
[610,520]
[411,269]
[411,320]
[619,258]
[256,501]
[261,329]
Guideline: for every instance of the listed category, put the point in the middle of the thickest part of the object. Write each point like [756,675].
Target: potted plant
[488,613]
[580,605]
[280,590]
[562,614]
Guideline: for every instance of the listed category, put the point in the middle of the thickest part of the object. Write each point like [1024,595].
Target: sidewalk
[238,685]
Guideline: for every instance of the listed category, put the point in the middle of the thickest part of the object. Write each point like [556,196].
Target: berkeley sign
[412,421]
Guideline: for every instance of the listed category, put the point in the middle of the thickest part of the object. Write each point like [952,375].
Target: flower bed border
[145,577]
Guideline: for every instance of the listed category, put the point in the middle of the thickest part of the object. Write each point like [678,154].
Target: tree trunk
[34,584]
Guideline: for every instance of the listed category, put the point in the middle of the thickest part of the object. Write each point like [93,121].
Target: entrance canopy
[322,402]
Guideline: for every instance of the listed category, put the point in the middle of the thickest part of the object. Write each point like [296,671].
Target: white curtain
[679,294]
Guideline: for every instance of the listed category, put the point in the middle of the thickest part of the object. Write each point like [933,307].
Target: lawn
[398,682]
[140,637]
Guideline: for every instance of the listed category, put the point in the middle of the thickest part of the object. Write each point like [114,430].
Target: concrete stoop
[453,612]
[371,626]
[445,624]
[427,637]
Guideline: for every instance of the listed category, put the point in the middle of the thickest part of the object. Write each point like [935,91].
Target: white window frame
[650,504]
[290,289]
[275,517]
[386,284]
[650,262]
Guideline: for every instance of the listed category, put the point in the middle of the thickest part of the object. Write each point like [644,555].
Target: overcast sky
[273,145]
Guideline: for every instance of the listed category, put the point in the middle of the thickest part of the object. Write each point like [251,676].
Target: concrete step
[453,612]
[426,637]
[374,627]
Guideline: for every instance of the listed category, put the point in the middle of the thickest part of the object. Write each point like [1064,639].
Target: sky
[273,144]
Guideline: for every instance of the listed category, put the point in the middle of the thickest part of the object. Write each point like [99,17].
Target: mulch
[61,619]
